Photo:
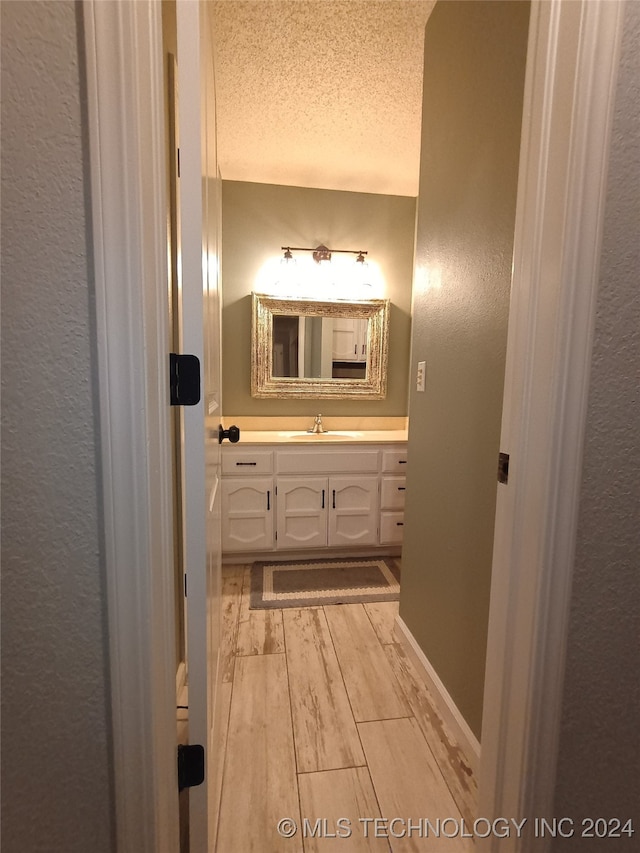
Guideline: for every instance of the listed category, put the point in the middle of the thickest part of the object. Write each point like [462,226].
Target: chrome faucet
[317,425]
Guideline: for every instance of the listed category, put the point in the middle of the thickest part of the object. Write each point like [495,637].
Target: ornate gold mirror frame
[265,384]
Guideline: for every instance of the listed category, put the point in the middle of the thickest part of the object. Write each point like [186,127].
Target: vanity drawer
[328,461]
[392,492]
[391,528]
[247,461]
[394,460]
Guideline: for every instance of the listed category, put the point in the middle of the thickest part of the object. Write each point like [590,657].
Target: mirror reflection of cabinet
[303,347]
[350,340]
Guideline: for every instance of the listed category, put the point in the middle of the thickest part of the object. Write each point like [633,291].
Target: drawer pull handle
[399,523]
[246,463]
[402,461]
[402,488]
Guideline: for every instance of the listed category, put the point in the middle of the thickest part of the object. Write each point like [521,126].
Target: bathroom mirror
[316,349]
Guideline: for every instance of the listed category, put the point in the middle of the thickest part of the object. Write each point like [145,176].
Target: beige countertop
[333,437]
[339,430]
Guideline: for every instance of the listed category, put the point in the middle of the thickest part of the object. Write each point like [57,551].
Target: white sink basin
[322,436]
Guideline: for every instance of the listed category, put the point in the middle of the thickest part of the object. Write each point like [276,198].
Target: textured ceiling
[321,94]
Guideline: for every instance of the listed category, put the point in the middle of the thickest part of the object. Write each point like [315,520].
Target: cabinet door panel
[392,492]
[354,510]
[247,514]
[349,339]
[391,528]
[302,512]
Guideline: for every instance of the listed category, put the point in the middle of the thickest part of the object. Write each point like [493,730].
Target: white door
[199,203]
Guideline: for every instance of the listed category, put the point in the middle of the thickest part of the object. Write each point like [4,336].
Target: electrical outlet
[420,378]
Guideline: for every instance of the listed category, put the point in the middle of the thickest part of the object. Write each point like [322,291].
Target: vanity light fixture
[318,273]
[322,253]
[362,271]
[288,262]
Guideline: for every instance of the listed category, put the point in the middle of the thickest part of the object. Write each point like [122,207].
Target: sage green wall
[475,56]
[257,219]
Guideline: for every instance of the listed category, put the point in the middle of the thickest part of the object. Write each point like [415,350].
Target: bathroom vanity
[286,493]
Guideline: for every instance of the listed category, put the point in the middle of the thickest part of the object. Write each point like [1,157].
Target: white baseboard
[447,708]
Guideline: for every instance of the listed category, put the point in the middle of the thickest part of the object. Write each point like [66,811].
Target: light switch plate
[420,378]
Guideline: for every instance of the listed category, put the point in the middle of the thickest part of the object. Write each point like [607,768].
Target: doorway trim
[572,65]
[125,97]
[544,414]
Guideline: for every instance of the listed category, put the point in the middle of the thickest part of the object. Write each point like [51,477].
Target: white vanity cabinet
[393,484]
[247,500]
[302,512]
[353,511]
[392,510]
[301,498]
[327,511]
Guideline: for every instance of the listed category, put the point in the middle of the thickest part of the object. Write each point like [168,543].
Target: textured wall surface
[599,762]
[55,765]
[321,94]
[473,88]
[257,219]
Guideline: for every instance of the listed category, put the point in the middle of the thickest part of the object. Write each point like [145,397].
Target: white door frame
[572,64]
[125,94]
[550,339]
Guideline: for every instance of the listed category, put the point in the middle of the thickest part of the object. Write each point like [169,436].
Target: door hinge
[503,468]
[184,379]
[190,765]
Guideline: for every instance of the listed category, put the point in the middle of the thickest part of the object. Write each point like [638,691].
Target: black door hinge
[190,765]
[503,468]
[184,379]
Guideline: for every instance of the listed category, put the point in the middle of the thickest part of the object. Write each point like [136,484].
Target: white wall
[56,786]
[599,761]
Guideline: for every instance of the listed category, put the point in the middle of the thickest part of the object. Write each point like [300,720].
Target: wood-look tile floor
[329,725]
